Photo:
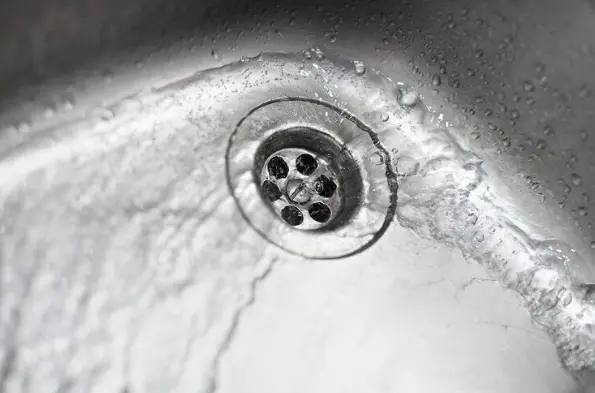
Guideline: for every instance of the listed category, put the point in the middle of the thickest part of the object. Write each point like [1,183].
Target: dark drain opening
[325,187]
[292,215]
[278,168]
[319,212]
[271,191]
[306,164]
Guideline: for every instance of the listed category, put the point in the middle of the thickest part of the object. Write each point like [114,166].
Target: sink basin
[282,197]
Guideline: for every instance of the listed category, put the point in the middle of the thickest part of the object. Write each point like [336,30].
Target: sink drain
[303,176]
[310,181]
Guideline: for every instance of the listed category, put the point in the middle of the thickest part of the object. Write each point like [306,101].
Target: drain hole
[292,215]
[271,191]
[325,187]
[306,164]
[319,212]
[278,168]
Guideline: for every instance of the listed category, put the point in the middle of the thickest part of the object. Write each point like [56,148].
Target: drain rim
[332,243]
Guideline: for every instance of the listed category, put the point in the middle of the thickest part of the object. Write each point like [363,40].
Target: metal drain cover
[320,183]
[302,175]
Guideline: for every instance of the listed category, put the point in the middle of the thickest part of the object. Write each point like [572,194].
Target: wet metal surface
[138,250]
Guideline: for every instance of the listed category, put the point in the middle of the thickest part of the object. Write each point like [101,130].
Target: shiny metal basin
[139,252]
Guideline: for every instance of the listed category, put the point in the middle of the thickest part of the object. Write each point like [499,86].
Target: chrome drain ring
[298,172]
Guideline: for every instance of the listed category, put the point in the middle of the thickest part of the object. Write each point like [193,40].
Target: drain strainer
[310,178]
[310,181]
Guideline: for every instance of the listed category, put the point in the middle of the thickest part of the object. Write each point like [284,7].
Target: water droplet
[104,114]
[534,186]
[583,211]
[408,98]
[506,142]
[472,219]
[406,166]
[479,54]
[565,297]
[332,38]
[319,54]
[492,126]
[376,158]
[488,112]
[475,134]
[593,244]
[67,105]
[548,130]
[576,180]
[470,72]
[479,100]
[529,179]
[215,55]
[308,54]
[478,237]
[528,87]
[516,97]
[436,80]
[515,114]
[442,70]
[360,68]
[49,112]
[540,145]
[384,117]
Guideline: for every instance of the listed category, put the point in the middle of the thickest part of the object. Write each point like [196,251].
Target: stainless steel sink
[288,197]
